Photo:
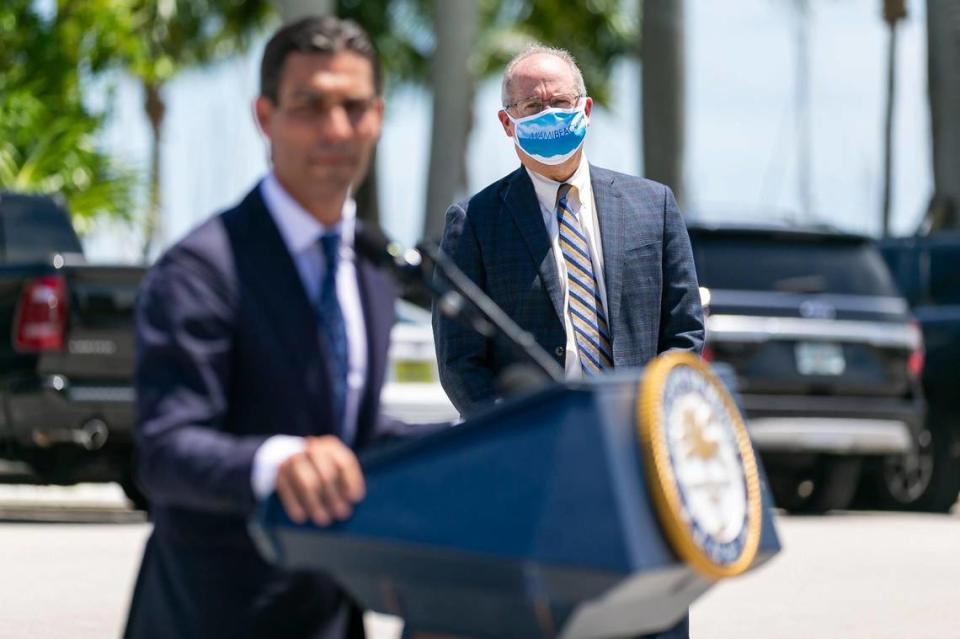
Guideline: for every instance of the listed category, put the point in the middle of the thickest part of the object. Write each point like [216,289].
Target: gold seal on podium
[700,466]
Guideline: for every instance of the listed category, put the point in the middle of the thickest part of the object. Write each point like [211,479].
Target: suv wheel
[830,485]
[928,480]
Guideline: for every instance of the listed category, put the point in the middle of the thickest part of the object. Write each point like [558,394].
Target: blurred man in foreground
[262,346]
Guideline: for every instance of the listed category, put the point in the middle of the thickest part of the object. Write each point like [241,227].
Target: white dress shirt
[301,233]
[583,204]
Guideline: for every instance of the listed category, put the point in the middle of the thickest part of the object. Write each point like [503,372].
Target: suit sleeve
[185,333]
[681,316]
[462,353]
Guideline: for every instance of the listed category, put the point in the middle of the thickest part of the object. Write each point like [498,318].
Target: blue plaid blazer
[499,239]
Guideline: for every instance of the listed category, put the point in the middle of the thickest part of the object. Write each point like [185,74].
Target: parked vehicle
[66,398]
[927,271]
[412,392]
[827,360]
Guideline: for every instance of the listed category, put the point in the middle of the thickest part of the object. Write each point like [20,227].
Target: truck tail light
[915,361]
[41,318]
[708,355]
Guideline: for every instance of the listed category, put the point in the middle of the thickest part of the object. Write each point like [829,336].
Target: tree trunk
[367,194]
[943,50]
[803,112]
[888,129]
[155,109]
[291,10]
[662,78]
[453,89]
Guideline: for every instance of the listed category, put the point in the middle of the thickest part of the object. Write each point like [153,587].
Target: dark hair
[316,34]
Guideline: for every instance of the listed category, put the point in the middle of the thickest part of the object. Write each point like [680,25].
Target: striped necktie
[332,327]
[585,306]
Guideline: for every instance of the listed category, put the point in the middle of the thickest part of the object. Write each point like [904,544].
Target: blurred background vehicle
[927,271]
[412,392]
[828,363]
[66,394]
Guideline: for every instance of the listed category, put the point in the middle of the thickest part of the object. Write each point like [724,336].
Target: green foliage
[595,32]
[47,136]
[155,39]
[402,31]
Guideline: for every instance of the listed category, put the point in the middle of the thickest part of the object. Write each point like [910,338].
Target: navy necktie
[332,327]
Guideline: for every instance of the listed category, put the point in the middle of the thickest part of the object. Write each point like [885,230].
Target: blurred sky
[742,146]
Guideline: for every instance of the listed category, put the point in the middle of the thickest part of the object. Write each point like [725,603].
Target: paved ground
[69,556]
[873,576]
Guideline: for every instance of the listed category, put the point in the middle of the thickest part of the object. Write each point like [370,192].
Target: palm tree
[397,28]
[452,79]
[893,12]
[155,40]
[943,35]
[48,137]
[662,78]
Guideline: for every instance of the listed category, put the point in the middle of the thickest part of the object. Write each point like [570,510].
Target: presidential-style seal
[700,466]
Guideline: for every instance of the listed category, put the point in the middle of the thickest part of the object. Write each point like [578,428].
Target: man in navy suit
[261,350]
[596,265]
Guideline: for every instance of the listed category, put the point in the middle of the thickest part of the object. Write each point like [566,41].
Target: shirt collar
[546,188]
[299,229]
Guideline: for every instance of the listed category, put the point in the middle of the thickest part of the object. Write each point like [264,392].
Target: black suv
[827,359]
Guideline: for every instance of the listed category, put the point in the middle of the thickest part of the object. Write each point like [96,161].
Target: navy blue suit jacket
[498,238]
[228,354]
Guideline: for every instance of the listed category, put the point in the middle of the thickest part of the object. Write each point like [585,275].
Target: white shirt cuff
[267,460]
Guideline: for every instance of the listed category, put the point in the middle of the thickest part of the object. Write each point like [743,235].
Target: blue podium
[596,509]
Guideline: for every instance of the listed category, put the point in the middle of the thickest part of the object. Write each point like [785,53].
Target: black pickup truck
[66,400]
[927,271]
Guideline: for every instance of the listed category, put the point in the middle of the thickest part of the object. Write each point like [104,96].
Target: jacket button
[559,351]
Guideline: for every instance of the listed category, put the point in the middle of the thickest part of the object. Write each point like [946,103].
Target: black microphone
[371,243]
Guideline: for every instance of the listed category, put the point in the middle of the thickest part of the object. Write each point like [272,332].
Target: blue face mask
[551,136]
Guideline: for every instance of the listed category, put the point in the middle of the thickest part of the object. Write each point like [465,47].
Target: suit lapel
[378,316]
[612,217]
[521,200]
[267,266]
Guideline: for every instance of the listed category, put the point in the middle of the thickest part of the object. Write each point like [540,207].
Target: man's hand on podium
[322,482]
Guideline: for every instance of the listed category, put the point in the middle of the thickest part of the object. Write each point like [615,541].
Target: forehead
[341,72]
[543,72]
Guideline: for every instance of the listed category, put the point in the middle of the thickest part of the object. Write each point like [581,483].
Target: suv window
[33,228]
[790,264]
[945,274]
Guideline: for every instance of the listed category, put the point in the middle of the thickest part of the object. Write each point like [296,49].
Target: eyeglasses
[533,105]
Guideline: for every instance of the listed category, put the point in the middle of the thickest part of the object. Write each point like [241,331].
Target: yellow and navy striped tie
[585,307]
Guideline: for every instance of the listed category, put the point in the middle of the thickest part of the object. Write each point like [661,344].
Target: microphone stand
[463,301]
[494,319]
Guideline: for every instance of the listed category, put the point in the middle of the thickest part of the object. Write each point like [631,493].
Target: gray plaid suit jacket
[499,239]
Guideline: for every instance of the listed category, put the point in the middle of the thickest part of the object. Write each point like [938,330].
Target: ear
[379,108]
[505,122]
[263,109]
[588,106]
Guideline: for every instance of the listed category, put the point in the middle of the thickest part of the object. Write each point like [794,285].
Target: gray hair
[538,49]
